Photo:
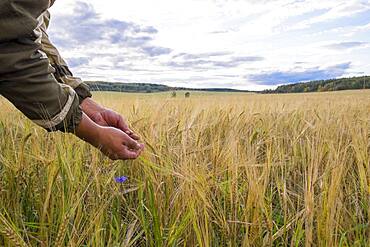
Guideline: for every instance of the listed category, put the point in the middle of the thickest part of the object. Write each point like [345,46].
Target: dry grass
[219,170]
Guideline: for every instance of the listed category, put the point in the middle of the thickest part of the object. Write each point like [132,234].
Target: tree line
[127,87]
[147,87]
[352,83]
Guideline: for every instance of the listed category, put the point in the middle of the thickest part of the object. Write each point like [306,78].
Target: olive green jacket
[33,75]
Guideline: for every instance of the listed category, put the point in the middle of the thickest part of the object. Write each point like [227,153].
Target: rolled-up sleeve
[27,80]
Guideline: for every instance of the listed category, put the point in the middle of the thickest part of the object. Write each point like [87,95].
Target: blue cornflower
[121,179]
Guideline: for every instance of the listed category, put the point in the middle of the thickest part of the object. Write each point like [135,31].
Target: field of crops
[218,170]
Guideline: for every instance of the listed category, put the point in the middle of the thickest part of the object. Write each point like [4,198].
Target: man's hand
[113,142]
[116,144]
[111,118]
[106,117]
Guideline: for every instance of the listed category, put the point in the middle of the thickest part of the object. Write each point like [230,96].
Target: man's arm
[26,80]
[99,114]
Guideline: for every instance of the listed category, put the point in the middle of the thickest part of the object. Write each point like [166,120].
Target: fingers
[116,144]
[132,144]
[132,154]
[122,125]
[133,135]
[125,154]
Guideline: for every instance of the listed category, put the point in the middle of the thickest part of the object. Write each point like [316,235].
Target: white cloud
[208,42]
[336,10]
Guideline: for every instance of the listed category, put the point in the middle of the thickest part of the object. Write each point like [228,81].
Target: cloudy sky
[243,44]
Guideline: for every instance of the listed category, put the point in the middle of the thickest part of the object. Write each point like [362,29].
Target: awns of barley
[7,230]
[59,241]
[218,170]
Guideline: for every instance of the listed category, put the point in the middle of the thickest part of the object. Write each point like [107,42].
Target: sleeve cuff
[65,76]
[72,119]
[83,92]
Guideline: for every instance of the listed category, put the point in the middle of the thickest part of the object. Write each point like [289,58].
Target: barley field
[218,170]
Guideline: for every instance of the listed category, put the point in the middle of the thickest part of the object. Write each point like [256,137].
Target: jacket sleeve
[27,80]
[62,72]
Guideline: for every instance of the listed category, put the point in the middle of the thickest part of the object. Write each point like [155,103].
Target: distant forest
[147,87]
[313,86]
[127,87]
[324,85]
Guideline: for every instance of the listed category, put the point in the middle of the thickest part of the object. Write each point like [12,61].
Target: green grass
[218,170]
